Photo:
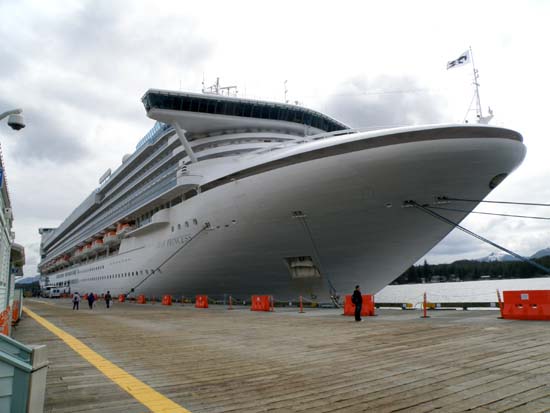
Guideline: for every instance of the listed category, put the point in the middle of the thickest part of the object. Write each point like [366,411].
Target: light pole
[15,120]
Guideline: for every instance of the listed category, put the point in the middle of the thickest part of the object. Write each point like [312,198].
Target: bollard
[301,305]
[425,305]
[121,298]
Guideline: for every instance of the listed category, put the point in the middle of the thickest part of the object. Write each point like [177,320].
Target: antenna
[216,89]
[286,91]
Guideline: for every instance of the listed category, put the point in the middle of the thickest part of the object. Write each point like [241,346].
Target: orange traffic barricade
[201,301]
[5,321]
[15,312]
[366,310]
[526,305]
[261,303]
[141,299]
[167,300]
[121,298]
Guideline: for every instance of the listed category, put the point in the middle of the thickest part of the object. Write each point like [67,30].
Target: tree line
[466,270]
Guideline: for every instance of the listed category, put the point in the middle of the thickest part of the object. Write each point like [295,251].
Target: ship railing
[156,131]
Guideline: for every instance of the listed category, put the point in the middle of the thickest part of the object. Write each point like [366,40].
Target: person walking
[91,299]
[108,299]
[357,299]
[76,301]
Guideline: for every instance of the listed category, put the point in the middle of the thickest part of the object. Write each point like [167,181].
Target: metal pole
[181,134]
[479,111]
[425,305]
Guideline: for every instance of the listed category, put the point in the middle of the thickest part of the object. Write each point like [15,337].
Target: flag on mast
[462,60]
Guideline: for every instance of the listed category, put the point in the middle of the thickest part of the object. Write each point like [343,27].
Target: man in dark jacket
[357,299]
[108,299]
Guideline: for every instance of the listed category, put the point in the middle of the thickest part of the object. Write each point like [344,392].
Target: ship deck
[215,360]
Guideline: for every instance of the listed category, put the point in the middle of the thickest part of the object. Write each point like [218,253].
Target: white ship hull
[342,208]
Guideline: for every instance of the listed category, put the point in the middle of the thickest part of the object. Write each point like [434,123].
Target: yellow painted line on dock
[150,398]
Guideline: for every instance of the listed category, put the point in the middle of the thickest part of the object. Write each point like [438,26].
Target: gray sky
[79,69]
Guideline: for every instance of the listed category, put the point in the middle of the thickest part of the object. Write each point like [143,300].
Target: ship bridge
[206,114]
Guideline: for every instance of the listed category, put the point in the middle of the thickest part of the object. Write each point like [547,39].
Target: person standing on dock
[108,299]
[76,301]
[357,299]
[91,299]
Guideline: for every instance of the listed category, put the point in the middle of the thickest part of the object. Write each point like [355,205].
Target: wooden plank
[232,361]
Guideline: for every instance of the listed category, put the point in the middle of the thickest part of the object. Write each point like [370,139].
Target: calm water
[468,291]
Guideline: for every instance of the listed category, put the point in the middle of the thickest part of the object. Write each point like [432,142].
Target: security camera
[16,121]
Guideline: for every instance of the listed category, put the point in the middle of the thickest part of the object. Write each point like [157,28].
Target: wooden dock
[214,360]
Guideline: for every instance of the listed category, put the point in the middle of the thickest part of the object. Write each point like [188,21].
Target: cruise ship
[227,196]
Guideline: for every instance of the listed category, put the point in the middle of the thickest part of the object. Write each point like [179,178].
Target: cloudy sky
[79,69]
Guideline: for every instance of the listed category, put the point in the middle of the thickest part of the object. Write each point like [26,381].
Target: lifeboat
[110,237]
[97,245]
[86,250]
[122,230]
[77,254]
[63,261]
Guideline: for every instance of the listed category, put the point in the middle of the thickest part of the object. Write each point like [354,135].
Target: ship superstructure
[236,196]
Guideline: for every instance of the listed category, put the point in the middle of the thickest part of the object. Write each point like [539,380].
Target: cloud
[48,137]
[383,102]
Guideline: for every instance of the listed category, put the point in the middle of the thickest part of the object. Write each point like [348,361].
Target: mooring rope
[488,213]
[444,198]
[473,234]
[206,226]
[332,291]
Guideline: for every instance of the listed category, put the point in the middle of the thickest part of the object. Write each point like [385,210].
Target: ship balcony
[186,178]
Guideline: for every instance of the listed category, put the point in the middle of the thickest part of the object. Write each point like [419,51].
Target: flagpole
[479,112]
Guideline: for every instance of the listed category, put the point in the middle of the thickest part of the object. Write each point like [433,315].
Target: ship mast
[479,111]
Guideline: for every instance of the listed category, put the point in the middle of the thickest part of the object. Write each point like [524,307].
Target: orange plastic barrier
[141,299]
[167,300]
[5,321]
[366,310]
[201,301]
[15,312]
[262,303]
[85,297]
[526,305]
[121,298]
